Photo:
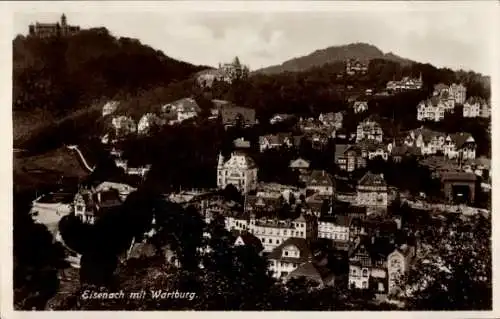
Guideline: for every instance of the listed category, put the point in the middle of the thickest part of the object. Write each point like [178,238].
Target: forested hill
[60,74]
[331,55]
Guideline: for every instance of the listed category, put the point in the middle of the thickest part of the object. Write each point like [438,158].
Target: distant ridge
[361,51]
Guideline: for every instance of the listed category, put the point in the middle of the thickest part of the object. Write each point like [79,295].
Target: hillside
[56,76]
[362,51]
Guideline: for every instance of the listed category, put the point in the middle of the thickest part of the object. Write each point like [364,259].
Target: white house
[334,228]
[369,129]
[474,107]
[273,232]
[372,191]
[289,256]
[185,108]
[360,106]
[147,122]
[110,107]
[432,109]
[239,170]
[123,125]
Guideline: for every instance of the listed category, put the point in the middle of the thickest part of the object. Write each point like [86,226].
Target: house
[123,189]
[89,204]
[400,152]
[367,267]
[334,227]
[460,145]
[459,187]
[274,141]
[440,89]
[240,143]
[299,164]
[370,129]
[245,238]
[110,107]
[405,84]
[149,122]
[280,117]
[475,107]
[332,119]
[371,191]
[320,181]
[185,108]
[371,149]
[398,265]
[123,125]
[360,106]
[432,109]
[237,115]
[272,232]
[428,141]
[348,157]
[458,92]
[264,203]
[319,139]
[354,66]
[239,170]
[288,256]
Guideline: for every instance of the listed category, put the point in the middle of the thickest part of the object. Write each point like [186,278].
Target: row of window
[334,236]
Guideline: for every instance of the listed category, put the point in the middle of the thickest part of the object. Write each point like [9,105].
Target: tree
[455,273]
[37,260]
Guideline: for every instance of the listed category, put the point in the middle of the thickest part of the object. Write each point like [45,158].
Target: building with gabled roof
[239,170]
[320,181]
[398,265]
[372,191]
[245,238]
[184,108]
[476,107]
[288,256]
[370,129]
[460,145]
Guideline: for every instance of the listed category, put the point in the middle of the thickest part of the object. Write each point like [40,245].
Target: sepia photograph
[252,156]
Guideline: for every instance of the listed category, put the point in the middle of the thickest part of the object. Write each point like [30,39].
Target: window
[270,241]
[286,253]
[364,285]
[353,272]
[365,272]
[277,241]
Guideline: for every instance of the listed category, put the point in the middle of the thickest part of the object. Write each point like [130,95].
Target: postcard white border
[491,11]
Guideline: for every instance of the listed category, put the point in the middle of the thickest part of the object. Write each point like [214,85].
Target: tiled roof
[313,272]
[460,176]
[251,240]
[370,145]
[302,245]
[371,179]
[340,149]
[319,178]
[460,139]
[400,150]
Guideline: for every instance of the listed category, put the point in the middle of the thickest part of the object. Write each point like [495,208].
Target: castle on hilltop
[46,30]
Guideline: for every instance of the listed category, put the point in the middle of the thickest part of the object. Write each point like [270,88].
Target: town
[370,200]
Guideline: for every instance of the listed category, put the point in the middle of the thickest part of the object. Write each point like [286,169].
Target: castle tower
[63,21]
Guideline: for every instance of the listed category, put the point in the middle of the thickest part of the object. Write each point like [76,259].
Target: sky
[446,35]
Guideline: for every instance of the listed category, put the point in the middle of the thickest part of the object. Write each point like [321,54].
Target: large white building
[372,191]
[398,265]
[434,109]
[239,170]
[369,129]
[476,107]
